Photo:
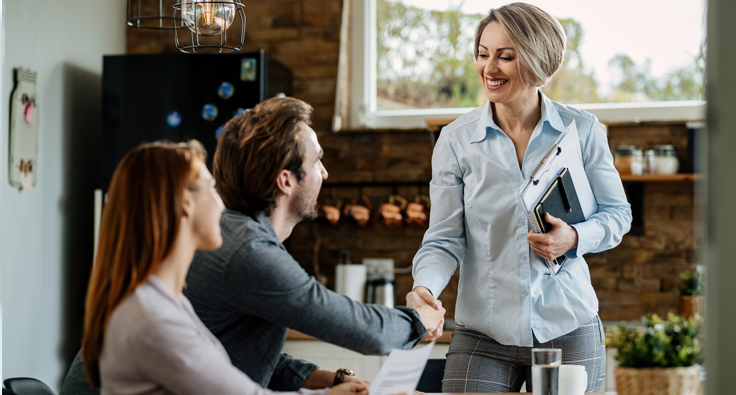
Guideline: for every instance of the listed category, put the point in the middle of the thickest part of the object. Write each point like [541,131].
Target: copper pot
[328,213]
[390,212]
[417,212]
[357,212]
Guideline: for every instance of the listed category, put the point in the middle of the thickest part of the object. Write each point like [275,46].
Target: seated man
[249,292]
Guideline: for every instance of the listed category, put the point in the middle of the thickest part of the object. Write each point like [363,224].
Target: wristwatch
[340,375]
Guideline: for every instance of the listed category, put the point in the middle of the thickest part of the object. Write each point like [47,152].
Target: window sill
[424,119]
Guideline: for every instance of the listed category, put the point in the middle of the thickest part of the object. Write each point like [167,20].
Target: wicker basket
[691,305]
[658,381]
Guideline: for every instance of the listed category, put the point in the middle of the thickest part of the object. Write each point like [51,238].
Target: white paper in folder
[401,372]
[565,153]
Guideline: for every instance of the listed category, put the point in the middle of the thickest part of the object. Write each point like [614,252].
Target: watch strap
[340,375]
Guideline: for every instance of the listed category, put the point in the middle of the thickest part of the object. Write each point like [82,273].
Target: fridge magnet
[209,112]
[24,119]
[225,90]
[239,112]
[173,119]
[248,69]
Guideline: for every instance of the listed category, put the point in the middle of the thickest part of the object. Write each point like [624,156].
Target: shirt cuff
[430,279]
[589,236]
[417,328]
[290,373]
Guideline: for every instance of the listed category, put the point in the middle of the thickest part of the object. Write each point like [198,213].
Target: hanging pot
[358,210]
[329,213]
[390,212]
[417,212]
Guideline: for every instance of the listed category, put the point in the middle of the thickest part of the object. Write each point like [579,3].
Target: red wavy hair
[139,224]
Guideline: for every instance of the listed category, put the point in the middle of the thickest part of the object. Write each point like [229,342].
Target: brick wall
[637,277]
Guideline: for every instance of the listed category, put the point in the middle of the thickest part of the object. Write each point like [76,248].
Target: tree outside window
[425,60]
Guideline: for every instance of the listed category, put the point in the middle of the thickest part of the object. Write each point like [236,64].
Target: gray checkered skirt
[477,363]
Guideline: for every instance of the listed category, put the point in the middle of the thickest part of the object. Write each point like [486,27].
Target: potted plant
[691,294]
[660,358]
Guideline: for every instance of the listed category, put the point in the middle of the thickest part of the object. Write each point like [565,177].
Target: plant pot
[691,305]
[658,381]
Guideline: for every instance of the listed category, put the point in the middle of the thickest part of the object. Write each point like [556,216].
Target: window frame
[365,115]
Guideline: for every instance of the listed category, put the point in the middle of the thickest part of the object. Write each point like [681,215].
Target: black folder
[560,201]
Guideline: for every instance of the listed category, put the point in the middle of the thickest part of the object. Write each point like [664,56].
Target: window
[631,60]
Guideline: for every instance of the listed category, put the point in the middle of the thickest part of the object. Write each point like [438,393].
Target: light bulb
[208,17]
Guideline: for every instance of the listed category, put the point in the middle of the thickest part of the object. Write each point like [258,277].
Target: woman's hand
[424,293]
[431,315]
[350,389]
[555,243]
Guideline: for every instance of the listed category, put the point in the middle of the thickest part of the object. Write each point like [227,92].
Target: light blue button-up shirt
[478,222]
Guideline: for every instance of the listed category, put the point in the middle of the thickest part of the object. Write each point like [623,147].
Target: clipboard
[561,201]
[564,153]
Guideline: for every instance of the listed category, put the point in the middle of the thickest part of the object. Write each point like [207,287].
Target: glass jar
[665,160]
[628,159]
[649,161]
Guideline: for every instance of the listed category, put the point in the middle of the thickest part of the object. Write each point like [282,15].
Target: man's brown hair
[254,148]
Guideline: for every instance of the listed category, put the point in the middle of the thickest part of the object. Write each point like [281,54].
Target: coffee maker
[380,281]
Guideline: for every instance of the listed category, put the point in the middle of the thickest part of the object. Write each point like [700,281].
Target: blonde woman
[507,301]
[141,335]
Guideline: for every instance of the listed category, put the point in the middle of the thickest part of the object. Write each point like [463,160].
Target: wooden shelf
[661,178]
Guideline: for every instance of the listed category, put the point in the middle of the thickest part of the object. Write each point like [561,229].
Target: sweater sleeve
[290,373]
[267,282]
[185,362]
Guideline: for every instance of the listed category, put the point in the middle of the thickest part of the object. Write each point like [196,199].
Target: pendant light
[208,22]
[153,14]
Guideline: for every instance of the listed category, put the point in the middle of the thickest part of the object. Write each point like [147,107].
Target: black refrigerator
[180,97]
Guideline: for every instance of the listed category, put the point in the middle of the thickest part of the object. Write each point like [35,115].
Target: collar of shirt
[550,118]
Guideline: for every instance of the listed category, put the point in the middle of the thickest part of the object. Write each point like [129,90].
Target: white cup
[572,380]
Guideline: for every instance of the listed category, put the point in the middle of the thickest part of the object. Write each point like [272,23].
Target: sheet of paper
[570,157]
[401,372]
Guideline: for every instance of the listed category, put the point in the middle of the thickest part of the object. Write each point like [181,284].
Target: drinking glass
[545,370]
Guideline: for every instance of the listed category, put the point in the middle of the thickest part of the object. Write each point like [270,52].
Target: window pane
[623,51]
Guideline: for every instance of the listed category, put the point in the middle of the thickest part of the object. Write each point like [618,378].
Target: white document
[401,372]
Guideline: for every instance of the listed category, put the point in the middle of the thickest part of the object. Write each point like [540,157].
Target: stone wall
[637,277]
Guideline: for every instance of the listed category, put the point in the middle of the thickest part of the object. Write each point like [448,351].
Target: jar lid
[665,150]
[627,150]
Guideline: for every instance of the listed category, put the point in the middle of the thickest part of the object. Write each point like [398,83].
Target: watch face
[349,372]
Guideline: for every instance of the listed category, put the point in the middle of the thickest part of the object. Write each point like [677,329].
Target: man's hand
[356,379]
[431,315]
[424,293]
[321,378]
[561,239]
[350,389]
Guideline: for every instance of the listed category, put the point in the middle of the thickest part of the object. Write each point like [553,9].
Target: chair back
[26,386]
[76,382]
[431,380]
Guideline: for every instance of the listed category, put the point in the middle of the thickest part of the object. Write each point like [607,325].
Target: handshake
[430,310]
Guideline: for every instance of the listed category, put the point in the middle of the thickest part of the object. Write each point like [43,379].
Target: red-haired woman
[141,335]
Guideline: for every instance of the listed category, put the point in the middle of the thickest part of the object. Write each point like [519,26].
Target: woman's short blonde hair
[538,39]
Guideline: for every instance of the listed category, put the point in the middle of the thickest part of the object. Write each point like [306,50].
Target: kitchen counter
[296,335]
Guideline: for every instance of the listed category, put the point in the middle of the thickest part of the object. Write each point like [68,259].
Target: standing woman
[141,335]
[507,302]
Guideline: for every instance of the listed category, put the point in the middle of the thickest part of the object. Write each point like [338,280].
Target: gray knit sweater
[250,291]
[154,345]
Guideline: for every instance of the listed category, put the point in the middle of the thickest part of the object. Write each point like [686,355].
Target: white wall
[47,232]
